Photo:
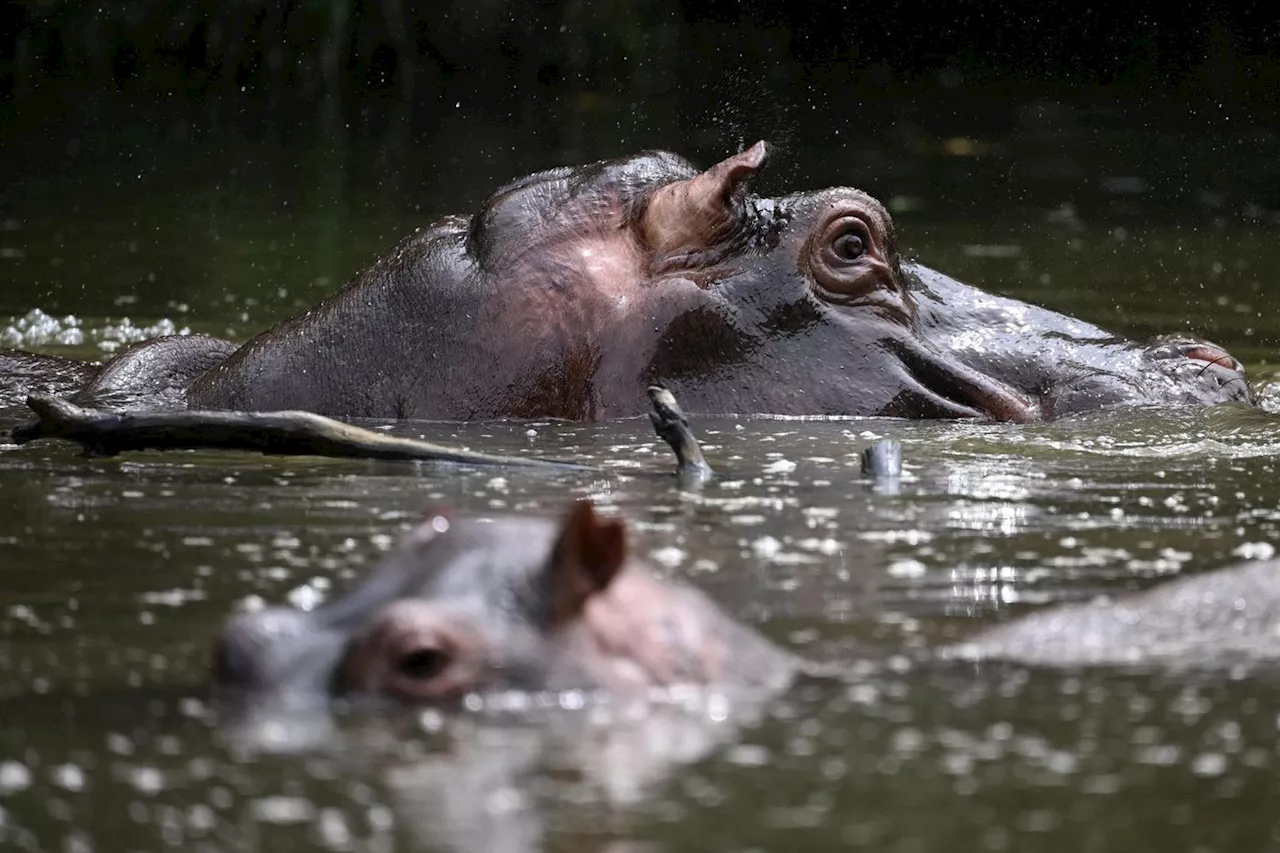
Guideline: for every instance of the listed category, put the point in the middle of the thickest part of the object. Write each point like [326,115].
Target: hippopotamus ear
[692,214]
[587,557]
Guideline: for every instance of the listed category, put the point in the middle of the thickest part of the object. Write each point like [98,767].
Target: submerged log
[294,433]
[286,433]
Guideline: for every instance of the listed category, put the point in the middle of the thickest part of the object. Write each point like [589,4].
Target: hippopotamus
[23,373]
[1229,617]
[573,289]
[468,606]
[517,603]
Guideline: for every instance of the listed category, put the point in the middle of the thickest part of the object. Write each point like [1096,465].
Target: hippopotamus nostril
[1210,354]
[1189,370]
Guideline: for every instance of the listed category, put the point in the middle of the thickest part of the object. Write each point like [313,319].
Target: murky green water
[116,572]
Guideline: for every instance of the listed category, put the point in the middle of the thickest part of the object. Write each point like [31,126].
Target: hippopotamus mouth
[950,389]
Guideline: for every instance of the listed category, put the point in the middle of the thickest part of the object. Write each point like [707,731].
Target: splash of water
[37,328]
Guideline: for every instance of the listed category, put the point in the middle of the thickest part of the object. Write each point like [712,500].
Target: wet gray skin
[511,604]
[572,290]
[525,604]
[25,373]
[1223,618]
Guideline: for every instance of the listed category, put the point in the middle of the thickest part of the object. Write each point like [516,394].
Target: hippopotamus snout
[1204,371]
[1061,365]
[278,651]
[1172,370]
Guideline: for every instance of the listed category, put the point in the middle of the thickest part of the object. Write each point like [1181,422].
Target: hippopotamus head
[471,606]
[570,291]
[798,305]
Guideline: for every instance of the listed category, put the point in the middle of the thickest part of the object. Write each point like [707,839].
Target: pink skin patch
[1213,355]
[640,633]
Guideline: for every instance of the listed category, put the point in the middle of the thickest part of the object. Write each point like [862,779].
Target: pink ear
[690,215]
[589,554]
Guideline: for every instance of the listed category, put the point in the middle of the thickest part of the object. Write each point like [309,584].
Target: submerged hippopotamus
[573,289]
[1224,618]
[469,606]
[523,604]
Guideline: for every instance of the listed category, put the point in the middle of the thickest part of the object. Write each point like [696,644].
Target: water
[117,572]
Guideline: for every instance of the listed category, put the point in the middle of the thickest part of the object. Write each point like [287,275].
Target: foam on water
[39,329]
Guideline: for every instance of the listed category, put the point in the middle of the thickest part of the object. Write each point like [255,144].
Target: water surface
[116,572]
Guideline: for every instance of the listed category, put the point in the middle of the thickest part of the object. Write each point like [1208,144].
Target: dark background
[231,162]
[267,57]
[584,77]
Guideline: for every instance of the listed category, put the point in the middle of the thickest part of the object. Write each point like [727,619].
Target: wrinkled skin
[22,373]
[152,374]
[468,606]
[573,289]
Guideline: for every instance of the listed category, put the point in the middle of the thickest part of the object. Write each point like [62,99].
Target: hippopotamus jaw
[954,390]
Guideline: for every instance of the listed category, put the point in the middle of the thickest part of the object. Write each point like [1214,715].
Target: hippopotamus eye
[414,651]
[849,246]
[845,240]
[423,664]
[848,264]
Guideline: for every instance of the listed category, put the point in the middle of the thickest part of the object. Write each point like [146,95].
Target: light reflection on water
[115,573]
[118,571]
